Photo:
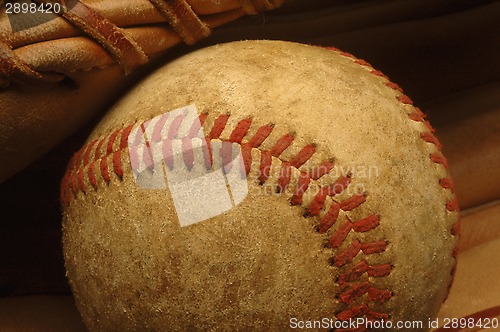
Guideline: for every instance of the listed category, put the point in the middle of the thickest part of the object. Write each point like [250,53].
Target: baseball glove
[63,61]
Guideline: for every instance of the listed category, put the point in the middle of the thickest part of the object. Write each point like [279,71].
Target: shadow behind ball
[255,185]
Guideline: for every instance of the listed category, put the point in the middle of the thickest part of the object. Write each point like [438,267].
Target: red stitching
[332,48]
[81,180]
[117,164]
[405,100]
[240,131]
[91,176]
[452,205]
[347,54]
[98,148]
[374,247]
[446,183]
[301,188]
[330,218]
[379,73]
[304,155]
[72,162]
[360,226]
[428,125]
[394,86]
[349,204]
[65,194]
[280,146]
[366,224]
[353,202]
[207,154]
[173,129]
[321,170]
[362,63]
[147,156]
[261,134]
[317,203]
[361,268]
[358,290]
[379,295]
[456,228]
[430,138]
[202,118]
[419,112]
[168,154]
[111,141]
[104,169]
[339,186]
[218,127]
[438,158]
[246,154]
[225,153]
[237,136]
[348,254]
[124,138]
[284,178]
[265,165]
[73,183]
[157,129]
[329,190]
[78,158]
[187,152]
[195,129]
[341,233]
[417,115]
[354,248]
[86,155]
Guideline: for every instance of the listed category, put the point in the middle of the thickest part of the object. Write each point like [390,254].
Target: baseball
[260,185]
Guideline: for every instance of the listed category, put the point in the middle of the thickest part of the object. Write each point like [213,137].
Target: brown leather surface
[102,21]
[36,119]
[480,225]
[76,47]
[468,125]
[39,313]
[476,286]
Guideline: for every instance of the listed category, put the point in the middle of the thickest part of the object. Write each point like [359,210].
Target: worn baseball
[260,185]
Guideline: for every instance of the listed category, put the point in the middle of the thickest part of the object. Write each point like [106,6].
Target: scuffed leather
[36,113]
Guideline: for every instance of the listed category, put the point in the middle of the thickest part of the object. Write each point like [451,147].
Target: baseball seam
[106,153]
[427,136]
[104,156]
